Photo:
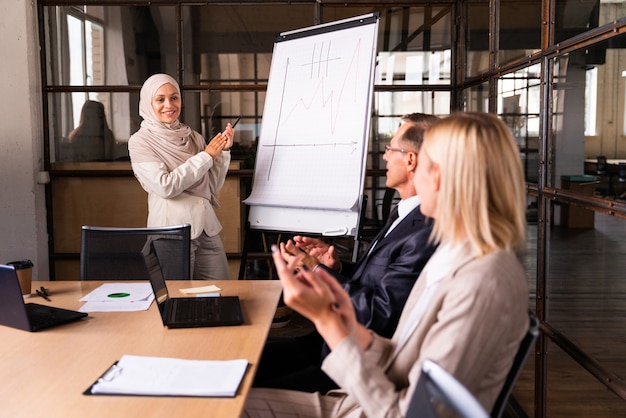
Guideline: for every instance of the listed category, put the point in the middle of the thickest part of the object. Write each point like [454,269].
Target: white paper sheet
[106,292]
[118,297]
[162,376]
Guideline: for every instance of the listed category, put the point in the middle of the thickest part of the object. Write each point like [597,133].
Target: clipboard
[170,377]
[102,377]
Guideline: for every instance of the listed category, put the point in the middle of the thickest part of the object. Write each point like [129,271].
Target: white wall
[23,231]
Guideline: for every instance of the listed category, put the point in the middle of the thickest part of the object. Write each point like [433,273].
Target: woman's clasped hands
[220,142]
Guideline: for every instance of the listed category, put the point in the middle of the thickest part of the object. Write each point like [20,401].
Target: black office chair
[603,176]
[518,364]
[601,167]
[437,388]
[621,181]
[108,253]
[388,203]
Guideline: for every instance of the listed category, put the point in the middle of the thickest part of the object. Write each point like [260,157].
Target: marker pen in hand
[236,122]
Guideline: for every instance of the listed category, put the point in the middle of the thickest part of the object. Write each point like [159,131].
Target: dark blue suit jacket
[380,282]
[379,285]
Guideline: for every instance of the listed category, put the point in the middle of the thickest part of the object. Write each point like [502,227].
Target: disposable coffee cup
[24,270]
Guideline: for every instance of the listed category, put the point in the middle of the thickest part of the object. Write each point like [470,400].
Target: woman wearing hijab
[468,311]
[181,173]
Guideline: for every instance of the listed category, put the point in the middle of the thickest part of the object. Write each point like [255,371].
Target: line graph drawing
[327,99]
[331,100]
[312,146]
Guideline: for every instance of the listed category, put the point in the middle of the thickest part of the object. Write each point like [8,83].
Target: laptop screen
[13,310]
[157,280]
[192,311]
[28,316]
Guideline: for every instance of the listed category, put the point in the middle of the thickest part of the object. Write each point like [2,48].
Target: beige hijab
[171,144]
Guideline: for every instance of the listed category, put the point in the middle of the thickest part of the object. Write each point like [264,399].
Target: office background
[554,71]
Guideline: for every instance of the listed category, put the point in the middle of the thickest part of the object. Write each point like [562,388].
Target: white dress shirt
[405,207]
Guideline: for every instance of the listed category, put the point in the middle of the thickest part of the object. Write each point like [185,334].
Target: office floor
[586,303]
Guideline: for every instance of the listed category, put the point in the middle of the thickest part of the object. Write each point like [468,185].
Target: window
[591,101]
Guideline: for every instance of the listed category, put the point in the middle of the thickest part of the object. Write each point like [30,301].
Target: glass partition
[589,122]
[585,246]
[585,280]
[574,17]
[233,44]
[518,106]
[573,392]
[420,68]
[107,46]
[529,256]
[519,37]
[476,98]
[98,133]
[477,38]
[414,43]
[228,49]
[604,11]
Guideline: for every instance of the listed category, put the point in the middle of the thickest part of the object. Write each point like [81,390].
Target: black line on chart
[280,110]
[351,144]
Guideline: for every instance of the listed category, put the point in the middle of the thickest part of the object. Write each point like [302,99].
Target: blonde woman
[468,311]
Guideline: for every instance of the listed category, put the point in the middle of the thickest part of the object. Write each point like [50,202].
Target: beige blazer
[472,327]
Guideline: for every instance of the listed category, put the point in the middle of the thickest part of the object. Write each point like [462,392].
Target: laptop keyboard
[41,316]
[192,309]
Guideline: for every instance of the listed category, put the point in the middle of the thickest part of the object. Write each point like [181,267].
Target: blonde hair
[482,196]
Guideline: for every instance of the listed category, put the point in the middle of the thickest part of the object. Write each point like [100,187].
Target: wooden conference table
[45,373]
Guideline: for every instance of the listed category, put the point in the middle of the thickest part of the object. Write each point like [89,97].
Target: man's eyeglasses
[390,149]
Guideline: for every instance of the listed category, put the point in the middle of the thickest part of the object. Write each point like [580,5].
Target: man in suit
[381,280]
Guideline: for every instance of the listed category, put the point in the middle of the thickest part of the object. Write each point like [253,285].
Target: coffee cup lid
[22,264]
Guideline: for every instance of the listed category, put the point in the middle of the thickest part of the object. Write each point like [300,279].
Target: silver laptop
[189,312]
[15,313]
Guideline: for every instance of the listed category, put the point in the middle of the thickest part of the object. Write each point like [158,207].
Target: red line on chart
[320,88]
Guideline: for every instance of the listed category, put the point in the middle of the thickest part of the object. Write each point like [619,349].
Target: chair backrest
[437,387]
[526,345]
[387,203]
[621,173]
[115,253]
[601,165]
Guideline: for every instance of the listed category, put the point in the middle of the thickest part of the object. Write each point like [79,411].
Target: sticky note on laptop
[201,289]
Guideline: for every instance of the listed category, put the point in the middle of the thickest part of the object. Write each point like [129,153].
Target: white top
[434,271]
